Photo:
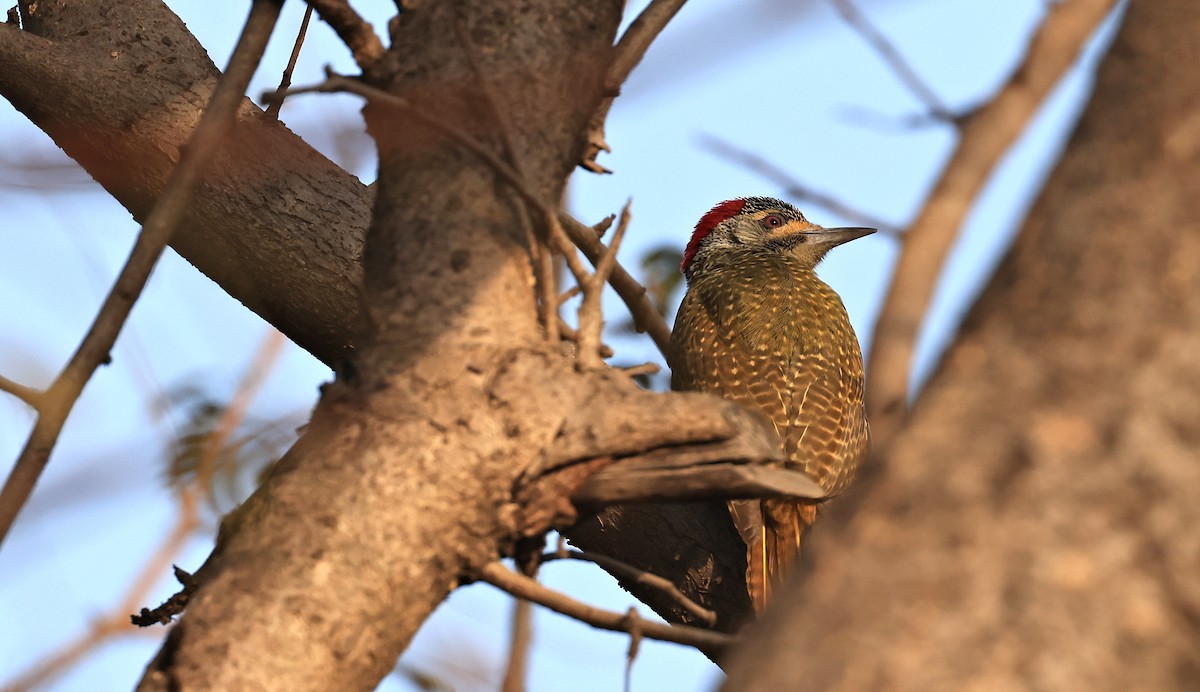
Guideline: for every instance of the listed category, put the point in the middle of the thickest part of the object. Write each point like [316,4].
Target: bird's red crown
[715,216]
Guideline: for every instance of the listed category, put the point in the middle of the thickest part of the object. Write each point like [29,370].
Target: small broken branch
[645,316]
[591,320]
[711,643]
[642,369]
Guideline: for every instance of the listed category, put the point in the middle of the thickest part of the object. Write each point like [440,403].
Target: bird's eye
[772,221]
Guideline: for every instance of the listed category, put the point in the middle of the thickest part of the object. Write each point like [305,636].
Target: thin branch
[646,317]
[629,573]
[496,574]
[286,81]
[892,57]
[591,319]
[33,398]
[985,137]
[355,32]
[794,188]
[169,209]
[515,673]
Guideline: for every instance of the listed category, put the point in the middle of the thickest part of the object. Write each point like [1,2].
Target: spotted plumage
[758,326]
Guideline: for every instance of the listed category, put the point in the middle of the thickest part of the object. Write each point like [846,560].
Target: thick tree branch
[984,138]
[275,224]
[168,211]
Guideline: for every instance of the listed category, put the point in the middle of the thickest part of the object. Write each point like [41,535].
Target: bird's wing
[822,425]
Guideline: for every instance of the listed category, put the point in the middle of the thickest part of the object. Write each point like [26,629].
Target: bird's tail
[774,549]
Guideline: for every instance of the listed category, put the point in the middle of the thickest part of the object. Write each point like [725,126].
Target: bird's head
[762,224]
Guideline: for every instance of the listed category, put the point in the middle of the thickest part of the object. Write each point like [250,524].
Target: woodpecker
[759,328]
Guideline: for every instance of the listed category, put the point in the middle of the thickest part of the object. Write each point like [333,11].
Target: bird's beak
[833,237]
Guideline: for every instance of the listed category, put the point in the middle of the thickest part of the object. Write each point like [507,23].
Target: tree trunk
[1033,526]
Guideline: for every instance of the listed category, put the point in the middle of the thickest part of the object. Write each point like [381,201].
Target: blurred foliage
[228,466]
[661,276]
[662,279]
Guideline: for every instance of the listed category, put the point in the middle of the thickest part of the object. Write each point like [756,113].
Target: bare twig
[627,572]
[627,54]
[286,81]
[792,187]
[591,321]
[907,75]
[32,397]
[94,351]
[355,32]
[601,227]
[985,137]
[496,574]
[646,317]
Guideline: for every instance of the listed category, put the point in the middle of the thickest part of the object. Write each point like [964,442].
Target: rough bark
[1033,526]
[401,488]
[281,228]
[120,87]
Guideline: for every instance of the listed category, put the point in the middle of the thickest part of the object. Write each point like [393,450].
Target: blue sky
[785,80]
